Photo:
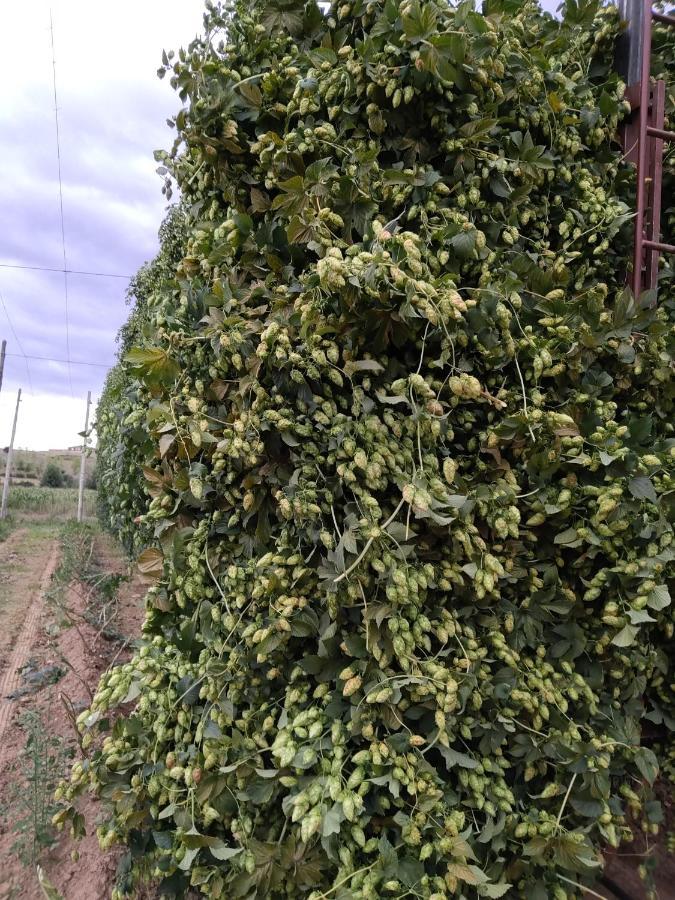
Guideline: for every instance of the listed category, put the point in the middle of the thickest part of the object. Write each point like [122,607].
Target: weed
[79,570]
[48,889]
[30,806]
[6,526]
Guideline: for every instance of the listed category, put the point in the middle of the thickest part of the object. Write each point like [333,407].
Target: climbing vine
[408,443]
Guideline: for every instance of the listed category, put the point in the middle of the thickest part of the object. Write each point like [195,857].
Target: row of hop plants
[123,443]
[406,449]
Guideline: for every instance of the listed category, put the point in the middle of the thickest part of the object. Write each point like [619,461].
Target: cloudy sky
[112,115]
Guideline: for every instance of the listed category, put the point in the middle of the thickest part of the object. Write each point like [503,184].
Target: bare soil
[21,625]
[37,632]
[23,559]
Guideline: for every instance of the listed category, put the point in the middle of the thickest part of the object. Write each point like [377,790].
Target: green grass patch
[6,526]
[61,502]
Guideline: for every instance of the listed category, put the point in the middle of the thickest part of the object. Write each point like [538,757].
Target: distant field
[28,465]
[49,502]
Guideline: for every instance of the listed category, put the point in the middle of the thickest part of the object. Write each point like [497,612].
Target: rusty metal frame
[643,138]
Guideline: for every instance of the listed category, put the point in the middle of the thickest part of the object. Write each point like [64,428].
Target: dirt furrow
[14,540]
[10,678]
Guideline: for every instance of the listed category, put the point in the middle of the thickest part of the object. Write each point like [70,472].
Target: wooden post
[8,467]
[2,361]
[83,458]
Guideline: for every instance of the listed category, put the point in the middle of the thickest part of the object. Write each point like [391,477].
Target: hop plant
[408,451]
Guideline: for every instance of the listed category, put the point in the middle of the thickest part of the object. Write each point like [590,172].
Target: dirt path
[10,679]
[14,540]
[43,634]
[24,559]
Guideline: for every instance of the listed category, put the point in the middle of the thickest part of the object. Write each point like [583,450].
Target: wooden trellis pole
[83,458]
[2,361]
[8,466]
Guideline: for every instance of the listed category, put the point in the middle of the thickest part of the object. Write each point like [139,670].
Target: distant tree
[90,482]
[52,476]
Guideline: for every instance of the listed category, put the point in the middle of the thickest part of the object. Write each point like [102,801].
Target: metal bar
[629,128]
[642,173]
[633,95]
[661,133]
[629,48]
[656,119]
[659,245]
[662,17]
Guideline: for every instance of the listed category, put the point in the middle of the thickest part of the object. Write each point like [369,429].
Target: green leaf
[494,890]
[167,811]
[283,15]
[419,21]
[647,763]
[453,758]
[478,130]
[639,616]
[464,243]
[568,536]
[138,357]
[590,809]
[659,597]
[190,855]
[410,871]
[163,839]
[363,365]
[300,232]
[455,501]
[499,185]
[642,488]
[624,309]
[293,199]
[451,46]
[166,441]
[467,873]
[153,363]
[251,92]
[223,853]
[332,820]
[626,636]
[654,811]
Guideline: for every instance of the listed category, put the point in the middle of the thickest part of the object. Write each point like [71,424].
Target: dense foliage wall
[123,441]
[409,445]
